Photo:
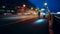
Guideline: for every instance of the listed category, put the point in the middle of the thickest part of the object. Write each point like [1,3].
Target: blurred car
[7,14]
[27,13]
[34,13]
[19,13]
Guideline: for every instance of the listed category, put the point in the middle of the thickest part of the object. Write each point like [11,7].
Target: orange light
[24,5]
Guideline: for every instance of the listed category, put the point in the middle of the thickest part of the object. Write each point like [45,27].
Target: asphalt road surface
[29,26]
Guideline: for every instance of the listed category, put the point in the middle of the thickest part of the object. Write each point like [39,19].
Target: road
[15,19]
[23,25]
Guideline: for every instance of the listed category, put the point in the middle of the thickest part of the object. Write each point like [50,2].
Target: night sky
[54,5]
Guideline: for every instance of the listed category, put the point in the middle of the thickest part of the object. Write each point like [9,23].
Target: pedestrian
[39,14]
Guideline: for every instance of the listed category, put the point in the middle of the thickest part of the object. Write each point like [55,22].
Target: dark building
[10,4]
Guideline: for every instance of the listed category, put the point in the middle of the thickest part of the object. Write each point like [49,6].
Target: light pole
[24,8]
[45,6]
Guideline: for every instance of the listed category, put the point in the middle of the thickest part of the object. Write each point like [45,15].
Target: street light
[45,4]
[24,5]
[12,10]
[42,9]
[31,7]
[3,6]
